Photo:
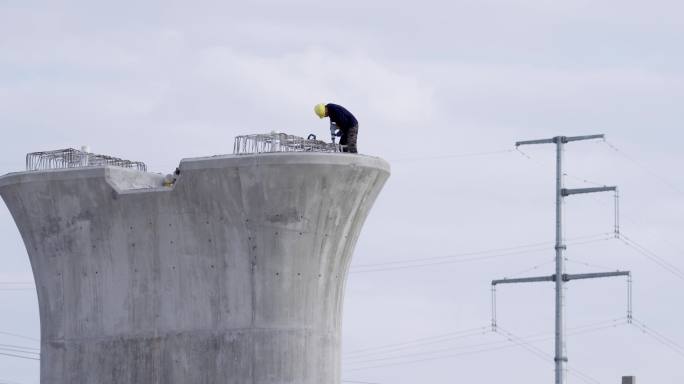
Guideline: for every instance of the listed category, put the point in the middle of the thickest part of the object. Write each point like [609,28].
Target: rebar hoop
[280,142]
[73,158]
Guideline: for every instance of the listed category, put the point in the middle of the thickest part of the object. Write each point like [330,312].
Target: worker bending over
[342,123]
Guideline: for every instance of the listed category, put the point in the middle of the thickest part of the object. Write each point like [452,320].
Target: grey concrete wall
[234,275]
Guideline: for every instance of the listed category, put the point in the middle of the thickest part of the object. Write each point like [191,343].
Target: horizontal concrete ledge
[285,158]
[51,174]
[131,180]
[121,179]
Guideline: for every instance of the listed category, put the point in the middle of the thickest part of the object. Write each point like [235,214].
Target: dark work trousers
[348,139]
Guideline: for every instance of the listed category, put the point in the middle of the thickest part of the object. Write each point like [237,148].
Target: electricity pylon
[560,278]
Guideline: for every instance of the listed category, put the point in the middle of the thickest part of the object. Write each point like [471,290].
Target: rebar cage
[280,142]
[73,158]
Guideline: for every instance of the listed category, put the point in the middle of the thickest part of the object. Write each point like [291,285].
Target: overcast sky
[429,82]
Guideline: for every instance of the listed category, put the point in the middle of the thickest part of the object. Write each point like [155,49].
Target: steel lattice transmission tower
[560,278]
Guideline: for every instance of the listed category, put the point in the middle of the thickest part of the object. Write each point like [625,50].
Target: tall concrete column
[234,275]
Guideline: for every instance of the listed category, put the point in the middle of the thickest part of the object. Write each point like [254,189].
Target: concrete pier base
[233,275]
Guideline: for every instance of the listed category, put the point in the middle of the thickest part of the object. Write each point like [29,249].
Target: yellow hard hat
[320,110]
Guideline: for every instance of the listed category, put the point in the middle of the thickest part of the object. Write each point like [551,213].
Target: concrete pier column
[234,275]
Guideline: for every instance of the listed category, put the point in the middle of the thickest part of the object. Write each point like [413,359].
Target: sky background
[442,90]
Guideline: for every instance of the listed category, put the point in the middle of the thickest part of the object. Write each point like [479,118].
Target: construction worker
[342,123]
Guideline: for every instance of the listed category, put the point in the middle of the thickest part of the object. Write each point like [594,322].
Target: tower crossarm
[524,280]
[560,139]
[580,276]
[565,277]
[577,191]
[585,137]
[528,142]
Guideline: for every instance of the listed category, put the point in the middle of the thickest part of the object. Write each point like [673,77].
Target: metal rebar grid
[280,142]
[73,158]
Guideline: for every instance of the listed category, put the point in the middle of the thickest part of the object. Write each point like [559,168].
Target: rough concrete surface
[234,275]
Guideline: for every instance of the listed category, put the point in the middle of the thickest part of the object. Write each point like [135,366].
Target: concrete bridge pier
[234,275]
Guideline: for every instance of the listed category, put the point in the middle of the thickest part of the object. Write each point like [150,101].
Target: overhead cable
[454,155]
[566,174]
[421,341]
[18,356]
[652,256]
[19,336]
[547,357]
[467,257]
[644,167]
[19,350]
[659,337]
[478,348]
[493,344]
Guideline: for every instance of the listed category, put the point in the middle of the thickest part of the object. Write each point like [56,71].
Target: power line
[451,156]
[369,359]
[532,268]
[419,342]
[431,358]
[622,217]
[537,266]
[529,339]
[18,356]
[472,349]
[644,167]
[19,336]
[454,259]
[547,357]
[19,346]
[590,265]
[565,173]
[19,350]
[652,256]
[641,249]
[525,343]
[659,337]
[458,255]
[541,354]
[466,257]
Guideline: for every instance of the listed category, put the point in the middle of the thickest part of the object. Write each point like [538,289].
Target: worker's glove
[333,132]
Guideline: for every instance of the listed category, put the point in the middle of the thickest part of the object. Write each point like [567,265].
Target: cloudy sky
[442,91]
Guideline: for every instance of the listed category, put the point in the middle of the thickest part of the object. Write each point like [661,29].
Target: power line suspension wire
[644,167]
[658,337]
[408,345]
[545,165]
[652,256]
[19,336]
[467,257]
[549,358]
[18,356]
[483,347]
[19,350]
[20,347]
[452,156]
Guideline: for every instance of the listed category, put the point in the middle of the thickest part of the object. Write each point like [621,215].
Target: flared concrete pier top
[234,274]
